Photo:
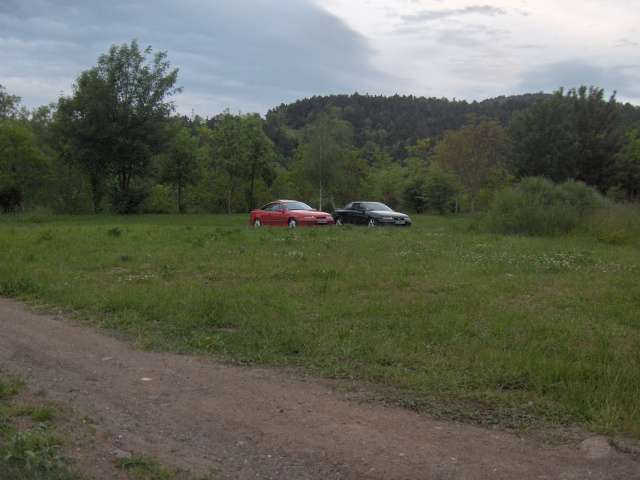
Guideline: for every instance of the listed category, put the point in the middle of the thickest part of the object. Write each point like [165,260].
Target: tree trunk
[230,194]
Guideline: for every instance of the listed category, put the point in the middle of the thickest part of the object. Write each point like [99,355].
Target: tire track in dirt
[248,422]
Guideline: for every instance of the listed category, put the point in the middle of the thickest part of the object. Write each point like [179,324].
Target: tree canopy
[474,153]
[115,145]
[115,121]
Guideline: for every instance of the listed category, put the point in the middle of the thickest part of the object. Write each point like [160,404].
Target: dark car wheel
[372,222]
[257,223]
[338,221]
[292,223]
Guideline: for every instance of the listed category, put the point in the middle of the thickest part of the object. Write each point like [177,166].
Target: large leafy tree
[572,136]
[21,162]
[474,153]
[245,153]
[180,161]
[260,155]
[441,189]
[231,152]
[114,123]
[353,182]
[9,105]
[23,165]
[596,125]
[327,142]
[628,165]
[545,142]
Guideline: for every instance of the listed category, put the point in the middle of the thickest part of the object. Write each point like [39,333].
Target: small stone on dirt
[122,455]
[596,447]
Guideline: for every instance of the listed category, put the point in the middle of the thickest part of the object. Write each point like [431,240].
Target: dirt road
[246,422]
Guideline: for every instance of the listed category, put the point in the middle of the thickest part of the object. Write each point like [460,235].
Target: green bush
[538,207]
[10,199]
[128,201]
[159,201]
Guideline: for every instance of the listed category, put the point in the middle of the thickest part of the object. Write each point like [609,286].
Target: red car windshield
[296,206]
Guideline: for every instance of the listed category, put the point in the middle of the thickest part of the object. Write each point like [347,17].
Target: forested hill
[395,122]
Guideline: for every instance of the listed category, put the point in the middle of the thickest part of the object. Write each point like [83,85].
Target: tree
[81,130]
[326,144]
[545,142]
[9,105]
[179,162]
[595,123]
[422,151]
[23,166]
[352,182]
[21,162]
[114,122]
[413,194]
[388,183]
[260,155]
[572,136]
[231,151]
[440,189]
[628,165]
[473,152]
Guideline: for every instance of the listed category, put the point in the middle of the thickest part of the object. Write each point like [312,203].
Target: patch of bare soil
[244,422]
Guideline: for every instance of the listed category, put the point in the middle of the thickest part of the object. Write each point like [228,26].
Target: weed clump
[538,207]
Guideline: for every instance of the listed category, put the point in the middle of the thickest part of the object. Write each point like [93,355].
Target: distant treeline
[116,145]
[397,121]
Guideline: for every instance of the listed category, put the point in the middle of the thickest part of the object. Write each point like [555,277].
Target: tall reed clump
[538,207]
[617,225]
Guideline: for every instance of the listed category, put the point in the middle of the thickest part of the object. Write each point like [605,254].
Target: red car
[290,213]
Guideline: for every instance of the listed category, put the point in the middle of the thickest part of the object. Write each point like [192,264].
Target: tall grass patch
[505,330]
[537,206]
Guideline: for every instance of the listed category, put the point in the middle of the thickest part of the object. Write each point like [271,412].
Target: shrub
[10,199]
[128,201]
[413,195]
[538,207]
[159,201]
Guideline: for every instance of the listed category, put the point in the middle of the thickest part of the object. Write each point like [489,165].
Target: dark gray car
[371,214]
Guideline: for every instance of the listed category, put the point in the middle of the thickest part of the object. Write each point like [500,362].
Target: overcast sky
[253,55]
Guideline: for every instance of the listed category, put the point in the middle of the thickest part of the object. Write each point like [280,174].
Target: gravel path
[245,422]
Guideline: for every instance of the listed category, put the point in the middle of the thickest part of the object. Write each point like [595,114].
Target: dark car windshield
[376,206]
[296,206]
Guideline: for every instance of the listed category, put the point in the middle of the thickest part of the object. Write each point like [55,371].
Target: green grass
[29,449]
[498,330]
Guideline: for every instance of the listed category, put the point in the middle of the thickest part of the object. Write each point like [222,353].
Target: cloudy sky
[253,55]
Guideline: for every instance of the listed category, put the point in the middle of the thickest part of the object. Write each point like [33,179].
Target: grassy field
[506,331]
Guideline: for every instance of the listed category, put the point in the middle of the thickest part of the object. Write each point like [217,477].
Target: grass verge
[499,330]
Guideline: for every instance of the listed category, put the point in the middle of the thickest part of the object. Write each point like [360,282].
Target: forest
[116,145]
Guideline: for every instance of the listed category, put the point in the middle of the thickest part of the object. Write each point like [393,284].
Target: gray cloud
[252,55]
[241,55]
[436,15]
[574,73]
[470,36]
